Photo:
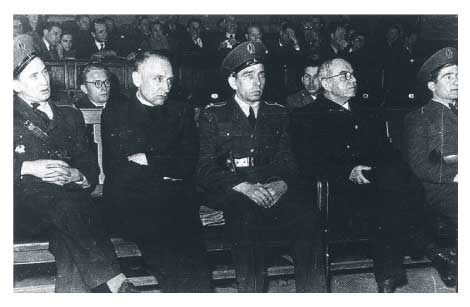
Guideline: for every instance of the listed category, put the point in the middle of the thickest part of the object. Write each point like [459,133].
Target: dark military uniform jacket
[231,153]
[330,141]
[62,138]
[431,133]
[299,100]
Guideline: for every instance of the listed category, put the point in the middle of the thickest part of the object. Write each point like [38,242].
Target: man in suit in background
[46,47]
[431,135]
[100,46]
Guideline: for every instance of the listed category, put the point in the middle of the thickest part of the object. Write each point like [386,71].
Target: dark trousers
[251,228]
[84,255]
[165,224]
[378,211]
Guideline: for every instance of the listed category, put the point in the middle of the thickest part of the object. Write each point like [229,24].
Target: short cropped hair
[50,24]
[141,57]
[90,67]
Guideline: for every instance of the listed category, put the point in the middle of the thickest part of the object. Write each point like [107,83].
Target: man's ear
[136,79]
[93,34]
[17,86]
[325,84]
[232,83]
[431,86]
[246,36]
[45,32]
[84,89]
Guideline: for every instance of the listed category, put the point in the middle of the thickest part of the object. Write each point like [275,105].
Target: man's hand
[456,178]
[276,189]
[356,175]
[52,171]
[256,192]
[139,158]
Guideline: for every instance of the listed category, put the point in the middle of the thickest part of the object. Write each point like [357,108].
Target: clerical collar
[143,101]
[246,107]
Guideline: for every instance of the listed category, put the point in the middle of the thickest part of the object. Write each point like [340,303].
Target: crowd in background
[385,63]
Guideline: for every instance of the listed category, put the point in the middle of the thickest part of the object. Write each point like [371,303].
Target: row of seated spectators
[385,68]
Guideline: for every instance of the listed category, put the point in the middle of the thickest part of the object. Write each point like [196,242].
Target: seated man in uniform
[337,138]
[150,153]
[247,169]
[311,89]
[54,172]
[431,134]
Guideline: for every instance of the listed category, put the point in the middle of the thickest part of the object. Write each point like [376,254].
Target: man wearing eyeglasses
[96,85]
[247,169]
[150,150]
[311,89]
[338,139]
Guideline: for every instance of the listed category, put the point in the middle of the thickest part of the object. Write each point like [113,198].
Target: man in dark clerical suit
[311,87]
[338,139]
[150,150]
[46,47]
[431,135]
[54,172]
[247,169]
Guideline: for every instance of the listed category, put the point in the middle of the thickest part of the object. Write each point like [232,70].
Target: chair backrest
[93,117]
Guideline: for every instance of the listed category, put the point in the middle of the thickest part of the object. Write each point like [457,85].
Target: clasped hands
[52,171]
[264,195]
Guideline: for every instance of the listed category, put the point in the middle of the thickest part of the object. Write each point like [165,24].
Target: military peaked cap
[244,55]
[442,57]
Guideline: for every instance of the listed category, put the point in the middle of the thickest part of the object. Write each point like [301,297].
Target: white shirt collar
[246,107]
[346,106]
[98,44]
[446,104]
[43,107]
[143,101]
[48,46]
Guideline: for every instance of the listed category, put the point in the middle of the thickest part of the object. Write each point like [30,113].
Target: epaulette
[274,104]
[218,104]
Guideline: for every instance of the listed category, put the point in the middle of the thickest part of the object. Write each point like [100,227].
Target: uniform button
[228,133]
[347,146]
[252,136]
[252,150]
[356,127]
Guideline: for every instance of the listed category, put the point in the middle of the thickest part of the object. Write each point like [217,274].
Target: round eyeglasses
[100,83]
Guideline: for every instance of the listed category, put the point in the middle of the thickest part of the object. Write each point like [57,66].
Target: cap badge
[449,53]
[251,48]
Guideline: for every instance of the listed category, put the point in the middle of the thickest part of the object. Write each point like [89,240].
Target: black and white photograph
[227,152]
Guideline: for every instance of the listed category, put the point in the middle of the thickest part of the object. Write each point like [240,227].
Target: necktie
[453,108]
[101,46]
[252,118]
[35,105]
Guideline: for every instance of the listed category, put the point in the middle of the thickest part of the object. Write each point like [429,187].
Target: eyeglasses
[346,75]
[99,83]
